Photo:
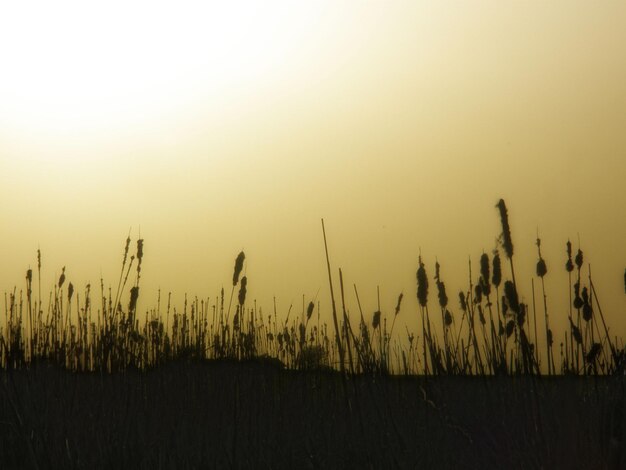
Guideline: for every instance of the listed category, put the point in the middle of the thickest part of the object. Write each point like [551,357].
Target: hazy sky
[220,126]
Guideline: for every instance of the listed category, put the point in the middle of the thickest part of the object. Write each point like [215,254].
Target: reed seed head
[478,294]
[481,315]
[496,278]
[507,242]
[126,248]
[587,312]
[462,301]
[376,319]
[579,259]
[242,290]
[309,310]
[485,286]
[443,298]
[542,269]
[62,278]
[594,352]
[134,295]
[236,319]
[484,273]
[569,265]
[400,297]
[511,296]
[578,301]
[576,332]
[422,284]
[484,266]
[238,267]
[139,249]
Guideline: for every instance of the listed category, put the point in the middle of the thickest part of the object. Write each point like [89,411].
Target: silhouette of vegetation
[89,380]
[89,332]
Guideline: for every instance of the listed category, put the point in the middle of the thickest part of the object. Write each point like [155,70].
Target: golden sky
[220,126]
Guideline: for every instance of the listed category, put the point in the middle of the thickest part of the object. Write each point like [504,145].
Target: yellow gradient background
[214,127]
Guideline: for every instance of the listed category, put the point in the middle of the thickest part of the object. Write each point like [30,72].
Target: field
[89,381]
[255,415]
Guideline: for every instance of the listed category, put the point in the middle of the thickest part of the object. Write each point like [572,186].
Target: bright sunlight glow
[102,66]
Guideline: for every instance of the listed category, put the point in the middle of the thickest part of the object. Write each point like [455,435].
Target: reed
[80,332]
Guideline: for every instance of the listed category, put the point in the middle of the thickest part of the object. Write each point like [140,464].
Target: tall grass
[493,332]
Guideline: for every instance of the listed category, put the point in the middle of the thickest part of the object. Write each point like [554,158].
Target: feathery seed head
[484,286]
[578,301]
[484,269]
[62,277]
[134,295]
[576,332]
[497,270]
[139,249]
[309,310]
[478,294]
[242,290]
[126,248]
[302,331]
[507,242]
[511,296]
[443,298]
[422,284]
[462,301]
[399,302]
[238,267]
[593,353]
[579,259]
[542,269]
[376,320]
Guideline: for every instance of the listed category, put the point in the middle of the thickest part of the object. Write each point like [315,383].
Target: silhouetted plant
[115,335]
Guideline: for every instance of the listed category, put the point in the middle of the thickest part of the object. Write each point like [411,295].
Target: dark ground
[254,415]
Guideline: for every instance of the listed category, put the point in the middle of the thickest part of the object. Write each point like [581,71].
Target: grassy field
[254,414]
[88,380]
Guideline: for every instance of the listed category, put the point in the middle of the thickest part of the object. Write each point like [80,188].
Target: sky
[208,128]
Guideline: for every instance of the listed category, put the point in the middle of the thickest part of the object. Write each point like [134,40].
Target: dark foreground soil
[253,415]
